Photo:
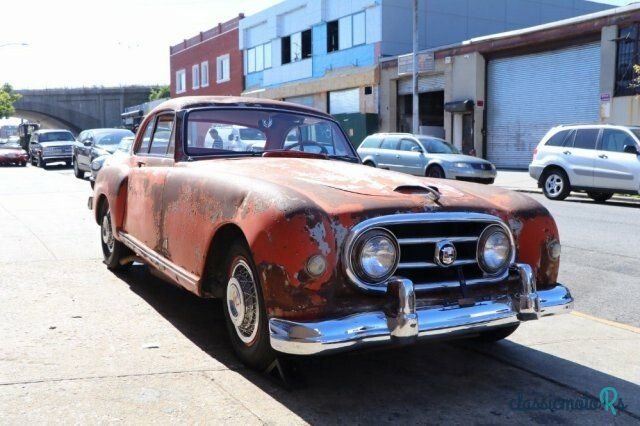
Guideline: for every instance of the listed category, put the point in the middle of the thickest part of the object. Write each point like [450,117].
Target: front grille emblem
[445,254]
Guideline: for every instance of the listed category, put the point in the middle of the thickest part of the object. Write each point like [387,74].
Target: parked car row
[597,159]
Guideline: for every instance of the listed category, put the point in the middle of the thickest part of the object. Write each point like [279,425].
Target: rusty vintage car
[312,252]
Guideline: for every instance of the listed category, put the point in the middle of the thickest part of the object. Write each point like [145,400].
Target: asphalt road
[79,344]
[600,260]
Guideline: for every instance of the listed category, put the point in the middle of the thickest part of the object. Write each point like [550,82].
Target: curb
[620,198]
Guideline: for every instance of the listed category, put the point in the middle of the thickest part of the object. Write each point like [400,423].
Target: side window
[615,140]
[558,139]
[371,142]
[389,143]
[161,135]
[586,138]
[146,139]
[408,145]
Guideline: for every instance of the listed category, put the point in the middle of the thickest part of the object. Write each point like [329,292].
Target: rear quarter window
[559,139]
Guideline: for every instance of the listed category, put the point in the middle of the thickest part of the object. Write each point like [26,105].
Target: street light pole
[416,99]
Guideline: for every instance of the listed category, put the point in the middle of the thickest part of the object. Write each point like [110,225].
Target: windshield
[125,144]
[56,136]
[112,138]
[438,146]
[232,132]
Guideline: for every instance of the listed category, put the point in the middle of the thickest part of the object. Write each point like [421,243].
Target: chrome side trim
[410,218]
[161,263]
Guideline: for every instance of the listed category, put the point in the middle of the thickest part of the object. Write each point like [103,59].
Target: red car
[13,154]
[311,251]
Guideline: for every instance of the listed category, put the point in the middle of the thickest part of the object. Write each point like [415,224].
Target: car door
[580,157]
[614,168]
[411,157]
[387,152]
[149,165]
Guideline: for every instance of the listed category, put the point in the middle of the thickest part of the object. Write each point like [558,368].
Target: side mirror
[631,149]
[87,143]
[230,138]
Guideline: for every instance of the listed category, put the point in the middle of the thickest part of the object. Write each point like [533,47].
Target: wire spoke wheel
[242,302]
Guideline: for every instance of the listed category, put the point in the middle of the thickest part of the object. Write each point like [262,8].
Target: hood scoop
[428,191]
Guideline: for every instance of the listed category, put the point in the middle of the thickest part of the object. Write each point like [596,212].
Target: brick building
[209,63]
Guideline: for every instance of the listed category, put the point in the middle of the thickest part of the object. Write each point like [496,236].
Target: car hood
[338,186]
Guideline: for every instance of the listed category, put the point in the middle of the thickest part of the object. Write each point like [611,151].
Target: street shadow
[613,203]
[459,382]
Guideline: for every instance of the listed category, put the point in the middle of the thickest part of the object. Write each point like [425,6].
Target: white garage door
[344,101]
[529,94]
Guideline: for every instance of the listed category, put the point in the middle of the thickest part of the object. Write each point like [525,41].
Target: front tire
[113,250]
[76,170]
[600,197]
[435,171]
[244,310]
[556,185]
[369,163]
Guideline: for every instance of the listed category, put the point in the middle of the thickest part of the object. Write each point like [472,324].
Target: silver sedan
[423,156]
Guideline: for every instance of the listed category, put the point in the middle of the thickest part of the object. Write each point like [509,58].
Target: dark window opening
[332,36]
[368,90]
[628,56]
[286,50]
[306,44]
[586,138]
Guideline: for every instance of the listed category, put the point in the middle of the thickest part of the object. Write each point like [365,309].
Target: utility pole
[416,99]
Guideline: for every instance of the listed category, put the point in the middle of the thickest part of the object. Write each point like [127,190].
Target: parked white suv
[597,159]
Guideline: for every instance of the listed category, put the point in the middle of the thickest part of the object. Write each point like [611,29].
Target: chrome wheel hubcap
[242,302]
[554,185]
[107,234]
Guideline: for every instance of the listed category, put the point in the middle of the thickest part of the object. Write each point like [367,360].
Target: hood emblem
[445,254]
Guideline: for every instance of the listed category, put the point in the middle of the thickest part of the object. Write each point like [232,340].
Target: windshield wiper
[347,158]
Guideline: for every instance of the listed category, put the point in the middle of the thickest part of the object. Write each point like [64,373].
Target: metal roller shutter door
[427,83]
[529,94]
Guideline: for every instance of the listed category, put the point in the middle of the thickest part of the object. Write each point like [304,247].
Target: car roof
[51,131]
[594,126]
[187,102]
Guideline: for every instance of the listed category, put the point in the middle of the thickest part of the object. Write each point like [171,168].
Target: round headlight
[375,255]
[494,250]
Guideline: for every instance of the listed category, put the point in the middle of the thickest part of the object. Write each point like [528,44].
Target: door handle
[567,153]
[141,163]
[397,156]
[603,156]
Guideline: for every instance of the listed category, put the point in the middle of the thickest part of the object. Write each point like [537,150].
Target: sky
[75,43]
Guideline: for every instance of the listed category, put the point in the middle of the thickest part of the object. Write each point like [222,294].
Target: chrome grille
[418,235]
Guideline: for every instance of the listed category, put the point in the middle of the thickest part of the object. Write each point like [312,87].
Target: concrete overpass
[79,108]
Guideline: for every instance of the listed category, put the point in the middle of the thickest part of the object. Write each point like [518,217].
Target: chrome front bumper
[409,324]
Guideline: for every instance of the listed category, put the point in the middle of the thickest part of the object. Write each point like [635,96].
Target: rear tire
[435,172]
[556,185]
[600,197]
[497,334]
[113,250]
[244,310]
[76,170]
[369,163]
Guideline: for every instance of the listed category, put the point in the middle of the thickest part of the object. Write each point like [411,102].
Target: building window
[258,58]
[181,81]
[346,32]
[204,74]
[195,76]
[296,47]
[628,56]
[223,69]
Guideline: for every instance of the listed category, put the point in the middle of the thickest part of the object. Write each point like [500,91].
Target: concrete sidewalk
[519,180]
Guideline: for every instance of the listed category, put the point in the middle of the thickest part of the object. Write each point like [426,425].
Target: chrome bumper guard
[409,324]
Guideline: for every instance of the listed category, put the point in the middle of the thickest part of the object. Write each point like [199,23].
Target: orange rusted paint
[291,207]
